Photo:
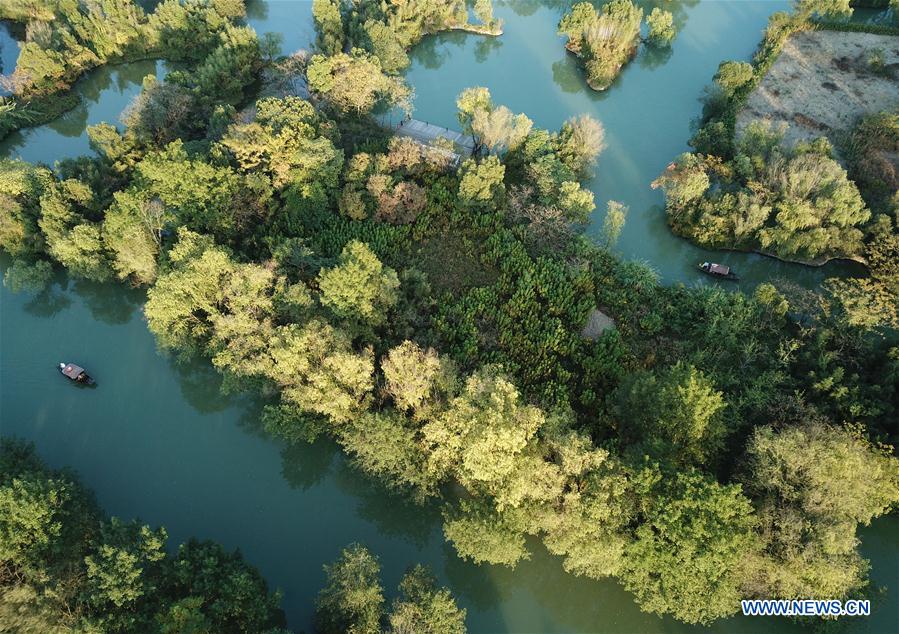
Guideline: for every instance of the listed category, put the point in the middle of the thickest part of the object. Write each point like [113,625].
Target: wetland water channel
[158,441]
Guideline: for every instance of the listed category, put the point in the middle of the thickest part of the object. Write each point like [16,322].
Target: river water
[157,441]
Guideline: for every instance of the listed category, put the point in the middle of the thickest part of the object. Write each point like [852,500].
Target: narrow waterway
[158,441]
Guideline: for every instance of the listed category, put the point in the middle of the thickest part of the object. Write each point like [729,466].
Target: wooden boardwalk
[427,133]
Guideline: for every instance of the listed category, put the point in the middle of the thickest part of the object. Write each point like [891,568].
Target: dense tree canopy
[604,39]
[796,202]
[64,566]
[427,311]
[353,600]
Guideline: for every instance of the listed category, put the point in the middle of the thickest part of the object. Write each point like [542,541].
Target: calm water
[9,51]
[158,441]
[105,93]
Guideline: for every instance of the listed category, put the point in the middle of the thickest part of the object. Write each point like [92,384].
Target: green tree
[388,446]
[499,129]
[674,416]
[31,522]
[190,289]
[21,187]
[807,8]
[580,142]
[355,83]
[588,525]
[872,301]
[287,140]
[479,435]
[318,370]
[221,590]
[132,231]
[493,127]
[815,484]
[359,288]
[661,27]
[121,572]
[328,26]
[73,238]
[733,75]
[483,11]
[818,210]
[386,46]
[184,617]
[684,181]
[417,379]
[605,39]
[483,535]
[422,608]
[482,183]
[200,196]
[613,223]
[688,554]
[352,600]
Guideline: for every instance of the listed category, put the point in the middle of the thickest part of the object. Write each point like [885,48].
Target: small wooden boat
[76,373]
[718,270]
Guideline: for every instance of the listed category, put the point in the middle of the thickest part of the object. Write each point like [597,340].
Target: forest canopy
[426,311]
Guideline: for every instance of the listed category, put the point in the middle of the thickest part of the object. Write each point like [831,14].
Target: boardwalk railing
[426,133]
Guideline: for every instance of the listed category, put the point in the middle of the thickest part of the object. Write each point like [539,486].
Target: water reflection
[48,302]
[523,8]
[394,513]
[651,57]
[110,302]
[434,50]
[257,9]
[201,385]
[568,76]
[485,46]
[305,465]
[105,92]
[469,580]
[291,18]
[9,49]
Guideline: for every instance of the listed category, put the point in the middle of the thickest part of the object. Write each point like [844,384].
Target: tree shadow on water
[485,47]
[48,302]
[305,465]
[112,304]
[395,514]
[470,580]
[201,385]
[653,56]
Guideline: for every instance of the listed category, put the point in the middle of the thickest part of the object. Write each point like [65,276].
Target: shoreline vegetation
[64,43]
[607,39]
[804,202]
[429,318]
[66,566]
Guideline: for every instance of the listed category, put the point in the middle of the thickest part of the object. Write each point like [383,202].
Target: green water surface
[158,441]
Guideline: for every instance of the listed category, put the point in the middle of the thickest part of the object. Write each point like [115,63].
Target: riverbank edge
[477,29]
[595,85]
[51,106]
[762,61]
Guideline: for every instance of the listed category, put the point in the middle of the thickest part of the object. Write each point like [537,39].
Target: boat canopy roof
[72,371]
[720,269]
